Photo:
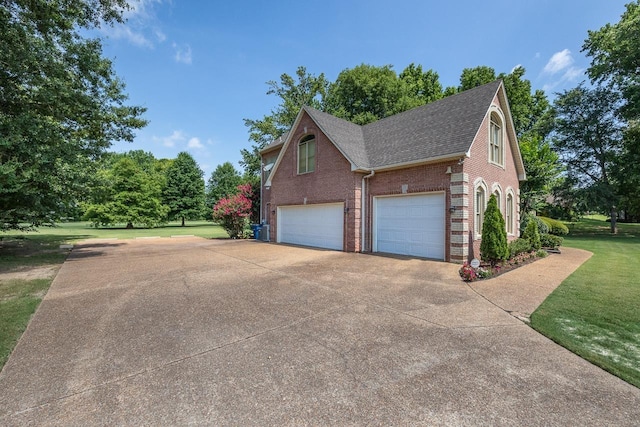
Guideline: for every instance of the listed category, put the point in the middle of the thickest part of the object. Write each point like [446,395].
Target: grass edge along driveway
[595,311]
[25,251]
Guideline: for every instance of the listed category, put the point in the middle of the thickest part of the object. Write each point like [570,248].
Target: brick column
[459,249]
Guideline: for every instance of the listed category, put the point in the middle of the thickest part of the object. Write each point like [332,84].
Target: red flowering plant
[468,273]
[232,213]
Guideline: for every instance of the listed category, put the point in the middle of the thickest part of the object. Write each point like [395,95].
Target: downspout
[261,183]
[363,209]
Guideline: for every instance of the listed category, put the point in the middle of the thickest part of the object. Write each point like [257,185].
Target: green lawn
[74,231]
[595,312]
[19,298]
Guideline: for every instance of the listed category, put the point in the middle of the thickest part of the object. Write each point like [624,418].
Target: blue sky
[201,67]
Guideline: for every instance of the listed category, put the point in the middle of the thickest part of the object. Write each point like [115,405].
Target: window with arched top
[509,213]
[307,154]
[480,204]
[498,195]
[496,140]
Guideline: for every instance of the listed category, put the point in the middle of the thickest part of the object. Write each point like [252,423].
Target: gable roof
[441,129]
[444,129]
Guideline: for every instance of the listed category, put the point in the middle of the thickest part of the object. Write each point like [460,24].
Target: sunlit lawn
[595,312]
[74,231]
[19,298]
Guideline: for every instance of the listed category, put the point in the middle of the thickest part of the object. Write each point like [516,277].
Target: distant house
[415,184]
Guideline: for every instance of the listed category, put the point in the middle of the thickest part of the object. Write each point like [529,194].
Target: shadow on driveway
[195,331]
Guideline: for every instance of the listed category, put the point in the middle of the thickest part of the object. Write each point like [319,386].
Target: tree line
[581,152]
[62,106]
[135,188]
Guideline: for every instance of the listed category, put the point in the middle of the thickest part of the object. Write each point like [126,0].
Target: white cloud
[170,141]
[183,53]
[195,143]
[559,61]
[160,36]
[572,74]
[140,25]
[127,33]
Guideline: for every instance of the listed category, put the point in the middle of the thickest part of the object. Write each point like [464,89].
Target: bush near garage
[233,213]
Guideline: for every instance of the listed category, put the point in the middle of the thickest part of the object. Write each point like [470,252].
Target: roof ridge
[450,98]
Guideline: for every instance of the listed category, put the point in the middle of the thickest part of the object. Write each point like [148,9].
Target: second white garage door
[410,225]
[320,226]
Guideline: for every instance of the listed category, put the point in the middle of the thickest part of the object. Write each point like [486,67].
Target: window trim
[305,142]
[509,213]
[478,212]
[496,119]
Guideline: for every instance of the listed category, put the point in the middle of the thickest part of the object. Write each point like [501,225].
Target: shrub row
[543,228]
[556,227]
[522,245]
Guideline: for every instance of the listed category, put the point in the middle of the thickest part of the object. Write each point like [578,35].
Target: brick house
[415,183]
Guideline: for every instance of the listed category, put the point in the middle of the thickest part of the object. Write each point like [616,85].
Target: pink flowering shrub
[233,212]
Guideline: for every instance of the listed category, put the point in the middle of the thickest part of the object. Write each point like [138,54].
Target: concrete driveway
[210,332]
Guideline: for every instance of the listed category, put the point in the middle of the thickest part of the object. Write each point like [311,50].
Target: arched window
[496,140]
[498,194]
[509,213]
[480,205]
[307,154]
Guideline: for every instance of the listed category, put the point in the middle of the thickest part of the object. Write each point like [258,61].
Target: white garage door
[320,226]
[410,225]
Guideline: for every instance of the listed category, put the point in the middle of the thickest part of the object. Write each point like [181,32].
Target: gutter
[363,209]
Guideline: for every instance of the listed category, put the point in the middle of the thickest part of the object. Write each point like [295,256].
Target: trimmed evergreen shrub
[518,246]
[532,235]
[493,247]
[550,241]
[543,228]
[556,227]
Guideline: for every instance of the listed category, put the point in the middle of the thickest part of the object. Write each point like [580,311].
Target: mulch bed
[512,264]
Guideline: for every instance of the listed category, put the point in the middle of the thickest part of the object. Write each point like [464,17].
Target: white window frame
[496,127]
[304,144]
[478,211]
[509,213]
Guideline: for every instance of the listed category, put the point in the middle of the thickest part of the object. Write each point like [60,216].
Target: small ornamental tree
[233,212]
[532,235]
[493,247]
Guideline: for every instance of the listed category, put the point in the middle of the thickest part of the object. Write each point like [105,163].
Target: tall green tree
[61,106]
[615,57]
[627,171]
[223,182]
[128,195]
[544,170]
[615,60]
[588,137]
[421,87]
[184,189]
[477,76]
[293,93]
[366,93]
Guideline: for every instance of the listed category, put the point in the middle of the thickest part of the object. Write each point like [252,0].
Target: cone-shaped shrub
[532,235]
[493,247]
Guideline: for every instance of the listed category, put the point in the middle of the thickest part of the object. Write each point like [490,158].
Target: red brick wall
[332,181]
[418,179]
[478,166]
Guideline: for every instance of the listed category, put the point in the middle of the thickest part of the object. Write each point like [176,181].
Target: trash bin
[256,231]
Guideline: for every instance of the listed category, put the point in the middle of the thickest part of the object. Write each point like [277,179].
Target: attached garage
[320,226]
[410,225]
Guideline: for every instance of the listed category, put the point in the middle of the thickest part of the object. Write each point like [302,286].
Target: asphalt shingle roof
[441,128]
